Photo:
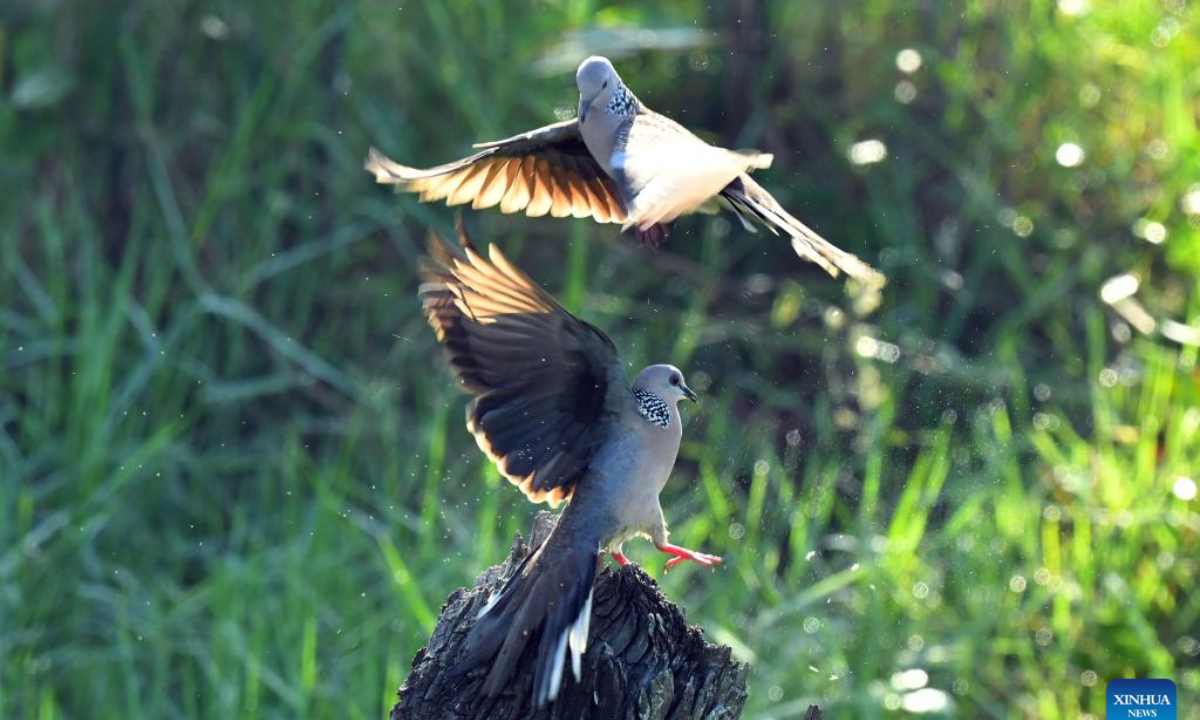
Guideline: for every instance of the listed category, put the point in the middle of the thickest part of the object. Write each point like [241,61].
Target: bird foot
[654,236]
[683,555]
[620,558]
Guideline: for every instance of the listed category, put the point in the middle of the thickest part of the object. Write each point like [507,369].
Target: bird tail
[751,202]
[552,590]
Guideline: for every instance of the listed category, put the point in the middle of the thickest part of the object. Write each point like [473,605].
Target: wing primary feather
[564,199]
[540,172]
[519,187]
[541,194]
[469,182]
[494,185]
[541,377]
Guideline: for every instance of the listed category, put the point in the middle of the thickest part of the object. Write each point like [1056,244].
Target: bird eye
[674,379]
[604,85]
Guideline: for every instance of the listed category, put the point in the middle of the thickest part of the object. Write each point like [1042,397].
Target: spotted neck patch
[653,408]
[622,103]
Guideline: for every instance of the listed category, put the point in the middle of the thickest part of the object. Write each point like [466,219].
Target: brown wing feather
[491,191]
[541,196]
[519,187]
[541,172]
[541,377]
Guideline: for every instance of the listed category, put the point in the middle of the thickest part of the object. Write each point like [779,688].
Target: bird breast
[639,458]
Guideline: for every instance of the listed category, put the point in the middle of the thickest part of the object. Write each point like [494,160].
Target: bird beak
[584,107]
[687,393]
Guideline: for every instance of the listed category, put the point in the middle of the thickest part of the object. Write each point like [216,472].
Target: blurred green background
[234,478]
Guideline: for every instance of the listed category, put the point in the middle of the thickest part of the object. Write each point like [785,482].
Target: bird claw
[653,236]
[683,555]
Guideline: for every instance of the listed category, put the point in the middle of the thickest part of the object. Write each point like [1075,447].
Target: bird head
[597,80]
[666,382]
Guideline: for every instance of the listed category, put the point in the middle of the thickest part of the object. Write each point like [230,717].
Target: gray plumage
[552,409]
[618,161]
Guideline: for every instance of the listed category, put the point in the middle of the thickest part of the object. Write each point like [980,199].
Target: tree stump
[642,662]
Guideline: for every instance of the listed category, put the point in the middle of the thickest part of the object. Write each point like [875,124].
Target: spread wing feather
[542,378]
[547,171]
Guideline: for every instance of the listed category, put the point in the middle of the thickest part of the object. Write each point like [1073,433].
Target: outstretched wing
[544,171]
[543,379]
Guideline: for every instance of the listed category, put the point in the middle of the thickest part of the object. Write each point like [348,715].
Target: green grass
[234,480]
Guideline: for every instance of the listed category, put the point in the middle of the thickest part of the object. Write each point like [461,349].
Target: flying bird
[553,410]
[618,161]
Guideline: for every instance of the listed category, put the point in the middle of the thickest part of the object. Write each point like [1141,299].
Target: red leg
[620,557]
[683,555]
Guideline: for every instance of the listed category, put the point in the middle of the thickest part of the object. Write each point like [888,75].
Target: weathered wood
[643,661]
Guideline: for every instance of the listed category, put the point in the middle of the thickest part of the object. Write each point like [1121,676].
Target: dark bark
[643,660]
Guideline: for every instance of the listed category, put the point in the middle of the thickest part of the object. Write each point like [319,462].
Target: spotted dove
[553,411]
[618,161]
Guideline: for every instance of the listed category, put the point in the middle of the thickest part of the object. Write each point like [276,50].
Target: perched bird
[554,412]
[618,161]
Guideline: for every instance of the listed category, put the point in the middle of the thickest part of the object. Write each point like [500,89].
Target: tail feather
[563,619]
[751,201]
[551,591]
[489,631]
